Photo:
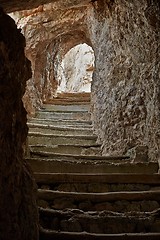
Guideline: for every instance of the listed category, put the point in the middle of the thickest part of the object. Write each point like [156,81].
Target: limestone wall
[74,73]
[125,89]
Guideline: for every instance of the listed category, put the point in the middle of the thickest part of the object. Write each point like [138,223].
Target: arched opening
[74,71]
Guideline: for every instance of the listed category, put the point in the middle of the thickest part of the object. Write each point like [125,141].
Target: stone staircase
[82,194]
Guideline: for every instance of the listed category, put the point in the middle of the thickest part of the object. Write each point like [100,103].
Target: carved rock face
[18,211]
[11,6]
[125,90]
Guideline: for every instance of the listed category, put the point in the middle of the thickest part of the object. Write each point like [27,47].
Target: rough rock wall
[17,5]
[126,90]
[18,211]
[74,73]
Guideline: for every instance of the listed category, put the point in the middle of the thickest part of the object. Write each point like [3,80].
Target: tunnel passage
[48,41]
[127,73]
[125,105]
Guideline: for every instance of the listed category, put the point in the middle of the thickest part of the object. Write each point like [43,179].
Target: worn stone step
[64,123]
[61,108]
[63,115]
[86,205]
[52,139]
[50,195]
[50,235]
[62,166]
[57,130]
[93,158]
[68,102]
[97,183]
[56,122]
[99,222]
[124,201]
[70,98]
[73,95]
[97,187]
[94,149]
[112,178]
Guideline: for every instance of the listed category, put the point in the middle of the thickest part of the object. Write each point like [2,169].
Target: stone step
[70,98]
[85,204]
[63,115]
[57,130]
[112,178]
[64,123]
[121,201]
[69,108]
[93,149]
[50,195]
[52,139]
[68,102]
[71,157]
[62,166]
[50,235]
[97,183]
[99,222]
[97,187]
[73,95]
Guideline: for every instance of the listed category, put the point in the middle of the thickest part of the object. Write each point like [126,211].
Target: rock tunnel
[125,90]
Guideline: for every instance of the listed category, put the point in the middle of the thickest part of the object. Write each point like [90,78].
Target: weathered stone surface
[17,5]
[99,187]
[138,153]
[71,225]
[125,90]
[149,206]
[102,222]
[50,34]
[63,203]
[86,205]
[74,73]
[105,206]
[18,211]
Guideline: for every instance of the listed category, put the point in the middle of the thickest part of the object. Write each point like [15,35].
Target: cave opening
[75,69]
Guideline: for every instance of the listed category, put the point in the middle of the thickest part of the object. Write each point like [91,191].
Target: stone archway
[46,42]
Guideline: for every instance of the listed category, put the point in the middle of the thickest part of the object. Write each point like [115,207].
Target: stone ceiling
[17,5]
